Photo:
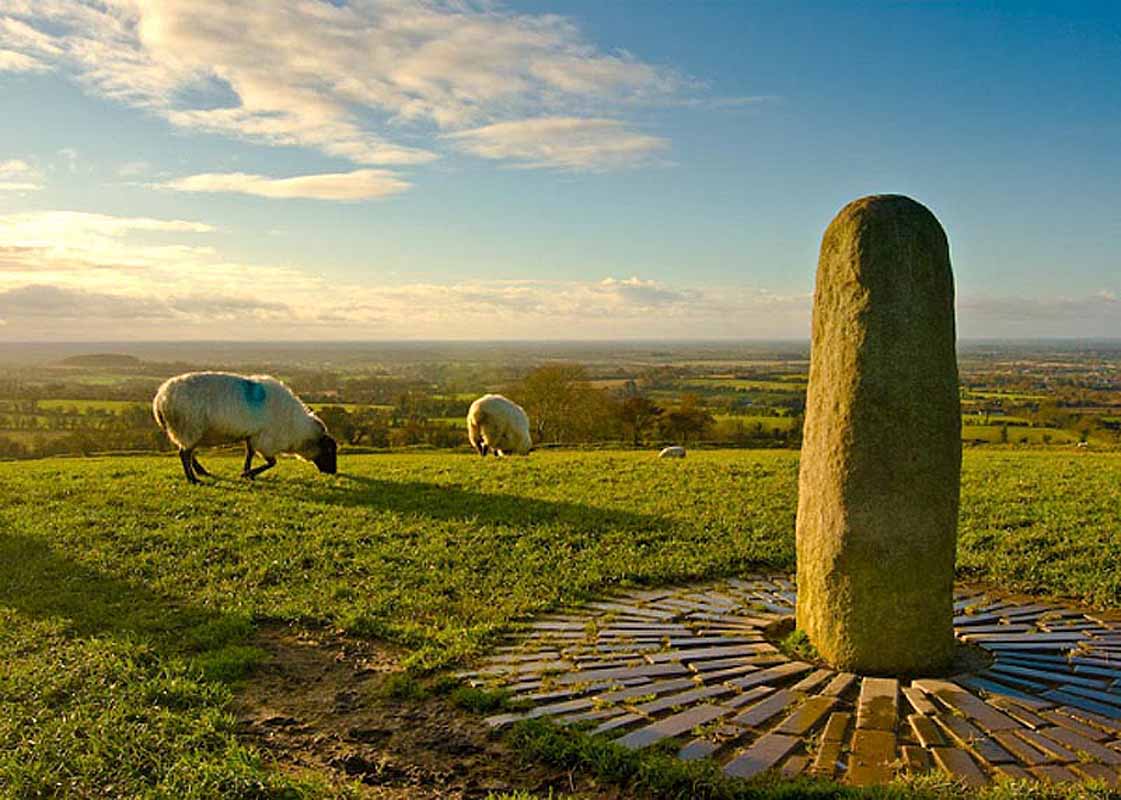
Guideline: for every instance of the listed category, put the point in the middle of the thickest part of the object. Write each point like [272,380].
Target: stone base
[694,666]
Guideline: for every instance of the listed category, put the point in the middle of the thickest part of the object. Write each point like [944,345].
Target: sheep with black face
[200,409]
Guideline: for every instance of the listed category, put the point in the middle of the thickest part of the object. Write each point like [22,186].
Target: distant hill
[101,360]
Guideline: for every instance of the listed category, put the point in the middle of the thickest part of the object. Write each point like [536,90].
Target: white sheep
[674,451]
[495,423]
[210,408]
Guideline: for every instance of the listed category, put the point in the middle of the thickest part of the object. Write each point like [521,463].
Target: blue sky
[388,169]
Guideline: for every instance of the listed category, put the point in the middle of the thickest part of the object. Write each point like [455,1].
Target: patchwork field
[131,604]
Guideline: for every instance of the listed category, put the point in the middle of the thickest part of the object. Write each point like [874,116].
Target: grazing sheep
[495,423]
[209,408]
[675,451]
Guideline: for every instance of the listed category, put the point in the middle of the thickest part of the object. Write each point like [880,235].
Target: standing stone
[881,455]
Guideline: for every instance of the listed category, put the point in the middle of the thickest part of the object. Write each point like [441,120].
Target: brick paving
[694,666]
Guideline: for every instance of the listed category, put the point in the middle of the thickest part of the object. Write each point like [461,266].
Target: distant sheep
[676,451]
[497,424]
[210,408]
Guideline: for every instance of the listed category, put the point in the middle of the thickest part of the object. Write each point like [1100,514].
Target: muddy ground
[318,704]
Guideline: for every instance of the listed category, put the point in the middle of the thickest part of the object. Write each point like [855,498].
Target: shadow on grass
[39,582]
[452,502]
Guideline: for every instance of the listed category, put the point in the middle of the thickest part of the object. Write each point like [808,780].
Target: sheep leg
[270,462]
[185,457]
[199,468]
[248,458]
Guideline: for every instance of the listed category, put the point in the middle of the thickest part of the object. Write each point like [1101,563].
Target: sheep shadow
[39,582]
[452,502]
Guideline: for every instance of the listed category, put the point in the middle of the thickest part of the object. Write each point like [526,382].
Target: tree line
[564,405]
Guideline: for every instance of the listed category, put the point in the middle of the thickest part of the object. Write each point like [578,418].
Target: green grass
[1017,434]
[998,395]
[795,384]
[30,437]
[353,406]
[978,418]
[128,598]
[86,405]
[769,423]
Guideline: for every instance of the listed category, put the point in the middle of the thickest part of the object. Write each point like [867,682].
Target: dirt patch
[318,704]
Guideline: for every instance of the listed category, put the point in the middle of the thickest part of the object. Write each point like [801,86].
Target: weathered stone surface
[976,709]
[806,716]
[872,757]
[671,726]
[1080,744]
[1031,756]
[1054,774]
[878,704]
[764,754]
[915,759]
[836,727]
[765,709]
[1097,772]
[881,455]
[1014,772]
[925,731]
[958,764]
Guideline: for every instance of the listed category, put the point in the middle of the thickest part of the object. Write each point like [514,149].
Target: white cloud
[19,176]
[361,81]
[130,169]
[37,243]
[70,158]
[72,275]
[11,61]
[357,185]
[54,304]
[571,143]
[1097,315]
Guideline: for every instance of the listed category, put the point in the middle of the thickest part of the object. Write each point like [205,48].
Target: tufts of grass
[798,645]
[481,701]
[108,716]
[404,687]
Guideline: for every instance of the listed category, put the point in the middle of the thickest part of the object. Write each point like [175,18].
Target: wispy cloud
[569,143]
[55,304]
[357,185]
[738,101]
[19,176]
[366,81]
[69,156]
[73,275]
[1097,315]
[11,61]
[34,244]
[65,274]
[131,169]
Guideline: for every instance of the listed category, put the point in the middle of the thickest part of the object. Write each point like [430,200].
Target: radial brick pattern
[692,666]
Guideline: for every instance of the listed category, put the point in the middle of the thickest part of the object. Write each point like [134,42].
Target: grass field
[795,384]
[769,423]
[86,405]
[1017,434]
[128,598]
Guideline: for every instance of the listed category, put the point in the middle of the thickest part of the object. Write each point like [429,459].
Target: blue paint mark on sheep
[254,393]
